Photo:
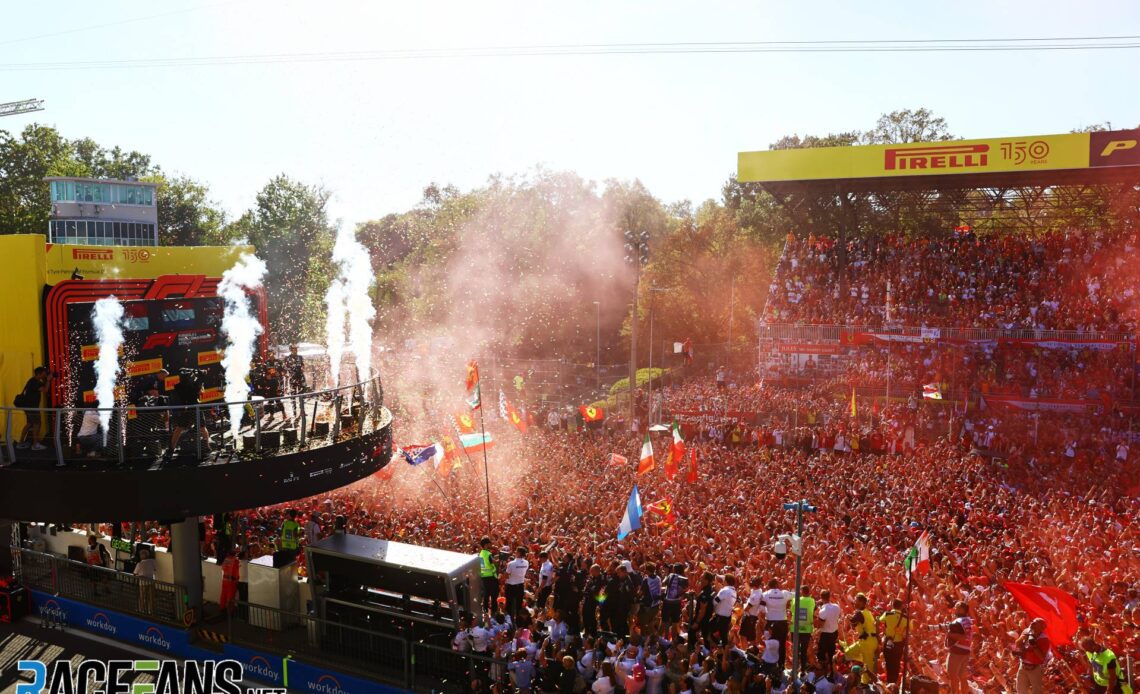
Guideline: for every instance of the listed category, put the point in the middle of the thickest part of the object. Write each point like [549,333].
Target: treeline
[538,265]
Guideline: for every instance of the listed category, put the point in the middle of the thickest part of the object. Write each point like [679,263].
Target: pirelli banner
[1115,148]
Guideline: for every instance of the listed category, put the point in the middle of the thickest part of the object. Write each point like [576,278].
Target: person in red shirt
[231,574]
[1033,650]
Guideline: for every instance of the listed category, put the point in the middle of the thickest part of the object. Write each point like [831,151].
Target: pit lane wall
[296,675]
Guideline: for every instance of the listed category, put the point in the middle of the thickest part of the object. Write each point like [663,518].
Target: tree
[897,127]
[290,229]
[39,151]
[186,215]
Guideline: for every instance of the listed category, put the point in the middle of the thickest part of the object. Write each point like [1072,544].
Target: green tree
[38,152]
[907,125]
[186,215]
[290,229]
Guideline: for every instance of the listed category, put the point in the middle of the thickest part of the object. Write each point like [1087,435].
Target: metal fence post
[121,431]
[257,429]
[58,438]
[302,433]
[8,435]
[334,428]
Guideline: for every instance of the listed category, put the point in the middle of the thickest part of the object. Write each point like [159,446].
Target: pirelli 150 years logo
[115,677]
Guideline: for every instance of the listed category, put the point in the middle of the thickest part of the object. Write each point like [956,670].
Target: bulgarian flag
[645,463]
[918,559]
[475,442]
[677,449]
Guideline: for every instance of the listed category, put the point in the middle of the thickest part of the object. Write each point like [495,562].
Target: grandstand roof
[1076,159]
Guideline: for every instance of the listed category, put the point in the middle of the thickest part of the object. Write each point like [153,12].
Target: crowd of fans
[1032,514]
[1063,281]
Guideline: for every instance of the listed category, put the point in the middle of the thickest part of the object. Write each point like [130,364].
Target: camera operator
[1032,649]
[30,400]
[186,393]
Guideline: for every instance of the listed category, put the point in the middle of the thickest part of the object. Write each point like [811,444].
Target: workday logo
[101,622]
[326,684]
[153,636]
[259,666]
[53,610]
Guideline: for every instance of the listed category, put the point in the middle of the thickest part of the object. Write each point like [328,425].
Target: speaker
[922,685]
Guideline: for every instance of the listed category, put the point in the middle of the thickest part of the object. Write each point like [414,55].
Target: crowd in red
[1064,281]
[1033,515]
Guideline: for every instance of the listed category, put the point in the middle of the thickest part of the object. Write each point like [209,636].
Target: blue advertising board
[155,637]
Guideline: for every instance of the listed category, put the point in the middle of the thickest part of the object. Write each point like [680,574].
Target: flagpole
[909,624]
[486,470]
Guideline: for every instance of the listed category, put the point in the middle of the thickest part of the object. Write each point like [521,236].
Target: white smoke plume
[357,277]
[108,319]
[241,329]
[334,328]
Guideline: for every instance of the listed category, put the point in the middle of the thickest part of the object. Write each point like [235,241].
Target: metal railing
[144,433]
[400,659]
[834,333]
[96,585]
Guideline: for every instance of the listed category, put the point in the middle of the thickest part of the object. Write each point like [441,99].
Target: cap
[627,565]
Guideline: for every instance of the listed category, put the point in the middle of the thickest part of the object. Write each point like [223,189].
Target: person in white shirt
[89,440]
[654,677]
[145,570]
[516,582]
[827,617]
[723,605]
[752,611]
[776,610]
[607,682]
[545,579]
[312,530]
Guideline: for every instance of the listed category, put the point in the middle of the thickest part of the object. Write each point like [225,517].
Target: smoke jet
[108,319]
[241,329]
[355,281]
[334,328]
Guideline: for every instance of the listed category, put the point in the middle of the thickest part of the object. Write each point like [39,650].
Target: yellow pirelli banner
[1031,153]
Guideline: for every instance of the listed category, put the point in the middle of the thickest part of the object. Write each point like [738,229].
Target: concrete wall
[164,563]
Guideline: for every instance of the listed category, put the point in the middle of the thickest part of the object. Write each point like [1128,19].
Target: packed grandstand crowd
[1049,498]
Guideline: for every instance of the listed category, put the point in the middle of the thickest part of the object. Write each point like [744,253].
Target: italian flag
[918,559]
[645,464]
[678,447]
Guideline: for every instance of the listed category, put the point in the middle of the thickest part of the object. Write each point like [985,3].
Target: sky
[376,132]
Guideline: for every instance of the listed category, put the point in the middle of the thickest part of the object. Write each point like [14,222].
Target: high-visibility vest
[94,556]
[1100,665]
[290,534]
[868,628]
[805,612]
[487,567]
[894,625]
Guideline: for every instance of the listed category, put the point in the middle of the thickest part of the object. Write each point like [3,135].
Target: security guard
[1105,669]
[290,537]
[895,626]
[865,646]
[804,612]
[489,572]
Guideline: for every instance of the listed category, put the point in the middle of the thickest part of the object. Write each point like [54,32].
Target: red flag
[472,375]
[616,459]
[1055,606]
[592,414]
[516,419]
[663,508]
[671,465]
[465,423]
[692,478]
[687,349]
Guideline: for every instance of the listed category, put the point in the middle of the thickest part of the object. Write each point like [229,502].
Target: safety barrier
[834,333]
[96,585]
[143,434]
[396,659]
